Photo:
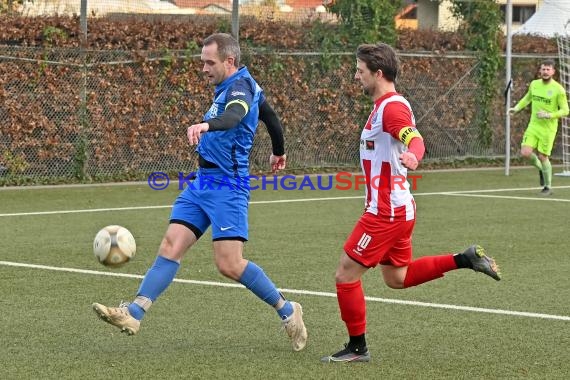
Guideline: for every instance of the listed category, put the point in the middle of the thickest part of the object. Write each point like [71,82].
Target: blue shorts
[216,200]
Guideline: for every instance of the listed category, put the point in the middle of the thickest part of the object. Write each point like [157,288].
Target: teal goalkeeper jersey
[549,97]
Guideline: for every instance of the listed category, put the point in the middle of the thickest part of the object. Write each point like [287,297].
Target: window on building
[521,13]
[410,14]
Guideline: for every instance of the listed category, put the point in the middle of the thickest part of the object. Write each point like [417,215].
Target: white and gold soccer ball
[114,246]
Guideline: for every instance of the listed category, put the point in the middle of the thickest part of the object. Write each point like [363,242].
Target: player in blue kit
[224,140]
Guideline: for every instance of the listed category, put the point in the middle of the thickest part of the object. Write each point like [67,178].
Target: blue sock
[286,311]
[136,311]
[156,280]
[255,279]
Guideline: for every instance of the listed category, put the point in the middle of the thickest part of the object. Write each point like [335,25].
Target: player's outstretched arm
[412,157]
[267,114]
[195,131]
[277,162]
[525,101]
[563,109]
[229,119]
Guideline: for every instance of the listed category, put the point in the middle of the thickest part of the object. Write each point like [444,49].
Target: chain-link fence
[286,10]
[69,113]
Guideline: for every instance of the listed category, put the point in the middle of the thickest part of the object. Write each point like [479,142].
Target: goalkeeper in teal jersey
[548,104]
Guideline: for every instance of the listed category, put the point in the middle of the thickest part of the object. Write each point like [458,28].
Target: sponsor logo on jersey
[213,112]
[367,144]
[540,99]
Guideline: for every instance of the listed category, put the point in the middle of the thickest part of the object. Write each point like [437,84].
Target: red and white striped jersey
[387,189]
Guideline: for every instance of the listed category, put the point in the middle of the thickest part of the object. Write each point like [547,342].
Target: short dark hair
[379,56]
[227,46]
[549,62]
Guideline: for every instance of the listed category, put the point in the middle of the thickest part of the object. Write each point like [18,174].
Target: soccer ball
[114,245]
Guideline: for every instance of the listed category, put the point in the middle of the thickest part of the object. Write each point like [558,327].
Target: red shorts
[377,240]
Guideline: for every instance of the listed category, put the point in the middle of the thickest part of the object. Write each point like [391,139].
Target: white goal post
[564,56]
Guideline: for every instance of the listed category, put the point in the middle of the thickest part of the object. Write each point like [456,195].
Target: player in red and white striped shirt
[390,144]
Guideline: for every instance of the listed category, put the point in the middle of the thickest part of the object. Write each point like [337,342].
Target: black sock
[357,343]
[461,261]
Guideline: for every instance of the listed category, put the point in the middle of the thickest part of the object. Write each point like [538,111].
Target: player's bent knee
[342,276]
[394,283]
[165,247]
[168,250]
[230,271]
[394,277]
[348,270]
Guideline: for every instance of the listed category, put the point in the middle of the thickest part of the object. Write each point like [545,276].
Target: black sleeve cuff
[274,128]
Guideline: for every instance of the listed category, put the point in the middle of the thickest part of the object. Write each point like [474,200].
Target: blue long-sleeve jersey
[230,149]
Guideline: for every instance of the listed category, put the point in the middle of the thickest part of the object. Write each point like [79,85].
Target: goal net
[564,56]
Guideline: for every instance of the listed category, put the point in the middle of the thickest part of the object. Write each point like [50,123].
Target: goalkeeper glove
[543,115]
[512,111]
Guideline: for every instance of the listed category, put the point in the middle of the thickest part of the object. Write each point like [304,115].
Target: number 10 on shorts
[364,241]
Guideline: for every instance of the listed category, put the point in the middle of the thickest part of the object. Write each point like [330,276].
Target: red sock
[352,307]
[428,268]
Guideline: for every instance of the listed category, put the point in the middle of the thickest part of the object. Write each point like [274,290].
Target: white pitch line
[158,207]
[306,200]
[508,197]
[80,211]
[496,190]
[458,192]
[145,183]
[305,292]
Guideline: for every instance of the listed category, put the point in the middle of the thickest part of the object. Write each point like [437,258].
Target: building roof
[227,4]
[304,3]
[551,19]
[295,4]
[96,7]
